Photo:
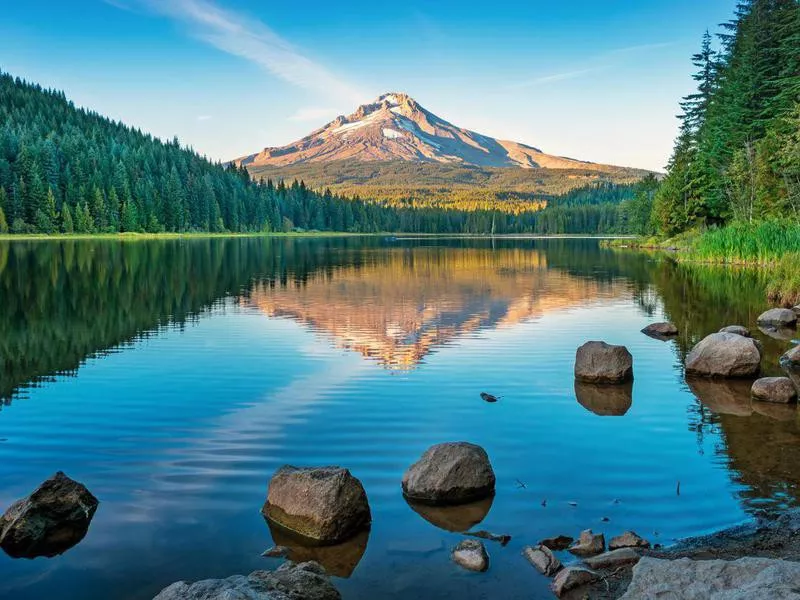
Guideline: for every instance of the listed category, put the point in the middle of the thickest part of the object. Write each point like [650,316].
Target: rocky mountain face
[396,127]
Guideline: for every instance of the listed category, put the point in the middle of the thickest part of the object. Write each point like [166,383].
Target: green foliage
[3,222]
[765,242]
[67,226]
[736,157]
[784,284]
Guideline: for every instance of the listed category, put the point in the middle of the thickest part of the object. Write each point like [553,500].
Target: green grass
[784,281]
[762,244]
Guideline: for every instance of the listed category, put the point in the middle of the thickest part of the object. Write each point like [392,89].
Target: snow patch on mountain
[392,134]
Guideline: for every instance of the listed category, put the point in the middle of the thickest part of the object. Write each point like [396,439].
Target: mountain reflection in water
[173,376]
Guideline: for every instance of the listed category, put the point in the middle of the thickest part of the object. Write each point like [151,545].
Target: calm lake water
[174,377]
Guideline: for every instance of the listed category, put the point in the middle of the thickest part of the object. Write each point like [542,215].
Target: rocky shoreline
[776,538]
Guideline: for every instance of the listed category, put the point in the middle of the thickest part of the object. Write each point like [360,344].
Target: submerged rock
[542,559]
[559,542]
[450,473]
[588,544]
[778,317]
[290,581]
[326,504]
[50,521]
[459,518]
[740,579]
[724,355]
[605,400]
[613,559]
[790,363]
[774,389]
[471,555]
[737,329]
[338,560]
[660,330]
[598,362]
[570,578]
[629,539]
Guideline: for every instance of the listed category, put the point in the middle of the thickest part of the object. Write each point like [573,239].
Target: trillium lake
[173,377]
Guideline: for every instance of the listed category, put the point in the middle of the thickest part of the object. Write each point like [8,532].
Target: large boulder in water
[50,521]
[598,362]
[724,355]
[450,473]
[778,317]
[774,389]
[790,363]
[290,581]
[326,504]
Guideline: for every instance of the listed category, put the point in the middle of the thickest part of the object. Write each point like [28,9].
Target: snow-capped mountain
[396,127]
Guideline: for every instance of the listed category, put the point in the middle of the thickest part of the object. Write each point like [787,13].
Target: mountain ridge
[396,127]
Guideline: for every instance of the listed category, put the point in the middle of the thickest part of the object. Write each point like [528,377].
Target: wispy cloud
[563,76]
[600,62]
[313,113]
[252,40]
[203,117]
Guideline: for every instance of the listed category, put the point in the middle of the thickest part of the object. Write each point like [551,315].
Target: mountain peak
[395,126]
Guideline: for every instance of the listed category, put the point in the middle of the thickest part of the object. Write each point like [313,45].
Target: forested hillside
[448,185]
[68,170]
[737,156]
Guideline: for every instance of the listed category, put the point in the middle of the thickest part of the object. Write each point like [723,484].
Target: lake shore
[766,536]
[771,247]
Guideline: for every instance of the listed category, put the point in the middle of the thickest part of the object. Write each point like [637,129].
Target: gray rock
[660,330]
[543,559]
[796,310]
[737,329]
[778,317]
[304,581]
[685,579]
[774,389]
[559,542]
[613,559]
[790,363]
[598,362]
[50,521]
[571,578]
[588,544]
[326,504]
[724,355]
[471,555]
[629,539]
[450,473]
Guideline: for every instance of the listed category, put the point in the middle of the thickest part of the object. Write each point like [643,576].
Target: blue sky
[590,79]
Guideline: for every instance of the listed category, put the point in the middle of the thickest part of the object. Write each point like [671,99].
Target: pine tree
[3,222]
[130,217]
[67,225]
